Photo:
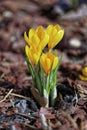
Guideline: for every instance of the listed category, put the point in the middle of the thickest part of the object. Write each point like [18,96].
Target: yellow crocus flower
[84,71]
[33,53]
[43,36]
[83,76]
[55,35]
[48,62]
[37,36]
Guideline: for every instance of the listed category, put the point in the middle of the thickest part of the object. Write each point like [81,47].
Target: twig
[18,95]
[25,115]
[6,96]
[44,123]
[70,119]
[30,126]
[81,90]
[3,74]
[76,97]
[55,125]
[12,103]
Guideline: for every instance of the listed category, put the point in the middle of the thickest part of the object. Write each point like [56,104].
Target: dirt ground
[18,108]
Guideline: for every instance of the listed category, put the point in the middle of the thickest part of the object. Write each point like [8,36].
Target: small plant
[42,62]
[74,4]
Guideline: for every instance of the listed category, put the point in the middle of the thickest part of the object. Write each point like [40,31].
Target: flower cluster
[37,41]
[42,63]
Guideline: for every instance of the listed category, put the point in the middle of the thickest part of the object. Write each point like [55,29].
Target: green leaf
[34,74]
[38,82]
[41,77]
[52,82]
[46,96]
[54,73]
[30,68]
[56,69]
[53,96]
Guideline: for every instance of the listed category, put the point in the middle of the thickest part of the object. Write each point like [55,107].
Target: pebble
[58,10]
[7,14]
[74,42]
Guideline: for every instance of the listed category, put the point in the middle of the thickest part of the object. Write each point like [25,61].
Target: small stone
[74,42]
[58,10]
[7,14]
[13,39]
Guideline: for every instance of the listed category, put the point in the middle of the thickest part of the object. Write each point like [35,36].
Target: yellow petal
[40,32]
[30,55]
[44,41]
[52,35]
[42,59]
[54,32]
[56,40]
[49,29]
[39,28]
[33,54]
[35,40]
[57,26]
[45,62]
[31,33]
[26,50]
[47,66]
[59,36]
[50,56]
[26,37]
[36,58]
[55,63]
